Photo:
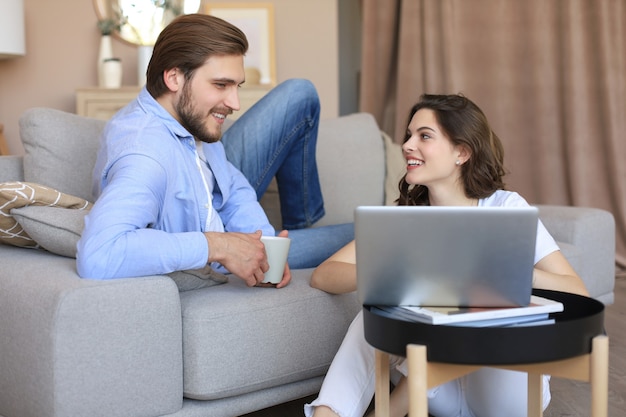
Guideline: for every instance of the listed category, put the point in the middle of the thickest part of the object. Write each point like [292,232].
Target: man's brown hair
[187,42]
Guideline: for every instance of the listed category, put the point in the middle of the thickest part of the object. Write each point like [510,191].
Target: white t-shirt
[545,242]
[213,221]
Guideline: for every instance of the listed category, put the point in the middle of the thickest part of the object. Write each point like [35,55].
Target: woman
[453,159]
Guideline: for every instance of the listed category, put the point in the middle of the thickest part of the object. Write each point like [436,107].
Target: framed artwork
[256,20]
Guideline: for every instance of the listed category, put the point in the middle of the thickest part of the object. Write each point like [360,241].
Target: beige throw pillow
[14,195]
[395,169]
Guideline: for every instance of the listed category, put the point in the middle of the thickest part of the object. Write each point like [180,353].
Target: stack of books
[535,314]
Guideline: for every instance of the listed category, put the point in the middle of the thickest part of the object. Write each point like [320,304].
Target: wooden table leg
[535,395]
[381,399]
[594,369]
[417,380]
[599,376]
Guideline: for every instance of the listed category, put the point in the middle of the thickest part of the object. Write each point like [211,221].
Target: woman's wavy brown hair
[464,124]
[187,42]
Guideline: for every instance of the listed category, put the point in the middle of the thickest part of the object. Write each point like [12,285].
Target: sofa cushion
[60,150]
[194,279]
[52,227]
[348,182]
[238,340]
[55,229]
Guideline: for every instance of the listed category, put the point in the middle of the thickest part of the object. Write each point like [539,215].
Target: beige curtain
[549,74]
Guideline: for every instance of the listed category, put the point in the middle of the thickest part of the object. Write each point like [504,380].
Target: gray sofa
[138,347]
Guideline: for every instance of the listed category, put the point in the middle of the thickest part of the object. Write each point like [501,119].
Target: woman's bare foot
[323,411]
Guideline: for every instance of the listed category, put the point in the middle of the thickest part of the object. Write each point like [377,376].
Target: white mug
[277,249]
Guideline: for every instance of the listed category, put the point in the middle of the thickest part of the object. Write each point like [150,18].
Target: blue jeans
[277,137]
[310,247]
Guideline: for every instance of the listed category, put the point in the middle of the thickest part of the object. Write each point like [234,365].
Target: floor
[569,398]
[572,398]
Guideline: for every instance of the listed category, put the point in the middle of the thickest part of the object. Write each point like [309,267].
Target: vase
[106,52]
[144,53]
[112,73]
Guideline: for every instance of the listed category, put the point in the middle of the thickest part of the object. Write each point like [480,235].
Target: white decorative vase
[112,73]
[144,53]
[106,52]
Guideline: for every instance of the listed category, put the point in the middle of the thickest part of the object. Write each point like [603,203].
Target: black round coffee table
[574,347]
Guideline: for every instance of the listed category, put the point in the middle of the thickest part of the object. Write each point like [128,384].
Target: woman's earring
[458,162]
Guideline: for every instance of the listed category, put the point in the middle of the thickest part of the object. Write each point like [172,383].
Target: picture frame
[256,20]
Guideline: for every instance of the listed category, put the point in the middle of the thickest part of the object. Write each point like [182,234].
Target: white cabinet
[102,103]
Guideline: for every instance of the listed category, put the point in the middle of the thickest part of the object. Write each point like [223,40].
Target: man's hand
[287,274]
[243,254]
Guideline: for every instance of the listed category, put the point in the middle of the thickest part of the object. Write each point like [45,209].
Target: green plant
[108,26]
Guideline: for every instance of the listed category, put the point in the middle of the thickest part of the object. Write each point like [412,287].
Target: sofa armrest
[591,233]
[76,347]
[11,168]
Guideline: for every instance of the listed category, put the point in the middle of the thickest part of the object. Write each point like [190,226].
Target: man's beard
[194,122]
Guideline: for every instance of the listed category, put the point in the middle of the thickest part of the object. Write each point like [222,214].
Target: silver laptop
[445,256]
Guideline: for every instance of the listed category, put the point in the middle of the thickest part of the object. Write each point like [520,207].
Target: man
[173,197]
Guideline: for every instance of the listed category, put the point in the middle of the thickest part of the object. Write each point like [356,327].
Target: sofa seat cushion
[238,340]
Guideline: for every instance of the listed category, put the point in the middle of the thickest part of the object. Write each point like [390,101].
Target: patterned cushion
[395,166]
[49,227]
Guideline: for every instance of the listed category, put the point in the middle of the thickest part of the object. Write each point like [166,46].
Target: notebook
[445,256]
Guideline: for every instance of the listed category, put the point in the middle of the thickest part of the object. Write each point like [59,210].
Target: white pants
[349,385]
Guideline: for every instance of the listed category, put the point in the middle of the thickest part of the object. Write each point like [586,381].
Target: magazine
[538,310]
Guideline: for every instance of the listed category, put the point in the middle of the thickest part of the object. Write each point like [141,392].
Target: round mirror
[140,21]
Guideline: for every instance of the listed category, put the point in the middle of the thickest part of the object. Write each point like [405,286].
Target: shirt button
[207,206]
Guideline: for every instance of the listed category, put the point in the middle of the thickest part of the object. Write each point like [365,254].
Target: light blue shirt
[152,205]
